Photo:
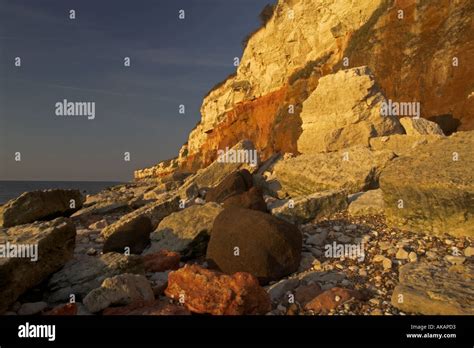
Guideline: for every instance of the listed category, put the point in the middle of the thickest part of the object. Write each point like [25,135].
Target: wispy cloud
[94,90]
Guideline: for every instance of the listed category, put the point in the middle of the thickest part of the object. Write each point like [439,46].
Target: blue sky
[173,62]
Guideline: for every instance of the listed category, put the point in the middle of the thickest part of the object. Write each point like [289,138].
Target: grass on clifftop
[308,69]
[265,15]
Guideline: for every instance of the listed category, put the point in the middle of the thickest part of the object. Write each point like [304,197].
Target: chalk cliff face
[418,51]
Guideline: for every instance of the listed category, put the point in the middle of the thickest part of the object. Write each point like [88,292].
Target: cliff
[418,51]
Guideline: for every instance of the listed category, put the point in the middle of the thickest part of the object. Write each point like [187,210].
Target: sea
[12,189]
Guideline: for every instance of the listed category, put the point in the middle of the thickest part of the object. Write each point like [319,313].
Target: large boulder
[133,233]
[435,288]
[344,110]
[242,155]
[119,290]
[205,291]
[306,208]
[420,126]
[85,273]
[40,205]
[401,144]
[186,231]
[133,230]
[235,183]
[431,189]
[367,203]
[251,199]
[353,170]
[245,240]
[47,246]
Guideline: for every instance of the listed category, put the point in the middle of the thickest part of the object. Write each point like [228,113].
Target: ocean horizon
[10,189]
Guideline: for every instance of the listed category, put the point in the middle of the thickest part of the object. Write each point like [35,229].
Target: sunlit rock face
[418,51]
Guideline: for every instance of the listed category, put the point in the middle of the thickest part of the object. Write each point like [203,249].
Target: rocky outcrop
[133,230]
[435,288]
[306,208]
[420,126]
[243,155]
[353,170]
[402,144]
[344,110]
[235,183]
[186,231]
[205,291]
[132,234]
[31,253]
[432,190]
[367,203]
[414,58]
[119,290]
[245,240]
[85,273]
[40,205]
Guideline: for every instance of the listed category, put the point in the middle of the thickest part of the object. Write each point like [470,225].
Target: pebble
[91,252]
[378,258]
[469,251]
[375,301]
[431,255]
[387,263]
[344,239]
[402,254]
[455,260]
[412,256]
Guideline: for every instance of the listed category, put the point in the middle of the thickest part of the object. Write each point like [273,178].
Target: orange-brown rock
[331,299]
[206,291]
[67,309]
[161,261]
[306,293]
[158,307]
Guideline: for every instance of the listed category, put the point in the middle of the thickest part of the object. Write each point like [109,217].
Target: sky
[172,62]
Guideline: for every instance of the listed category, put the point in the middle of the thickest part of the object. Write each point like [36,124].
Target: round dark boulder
[245,240]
